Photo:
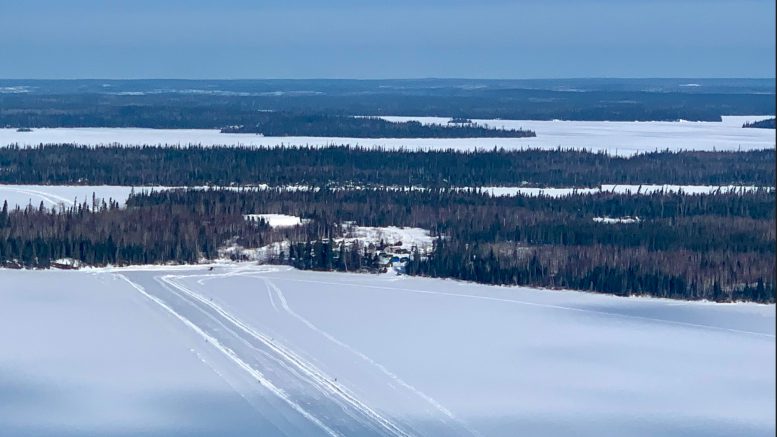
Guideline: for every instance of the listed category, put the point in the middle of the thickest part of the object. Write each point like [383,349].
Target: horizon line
[398,78]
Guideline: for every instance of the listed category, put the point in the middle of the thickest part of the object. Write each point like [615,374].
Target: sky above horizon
[55,39]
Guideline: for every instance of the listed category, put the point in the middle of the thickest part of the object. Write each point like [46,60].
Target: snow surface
[86,354]
[261,255]
[687,189]
[67,262]
[622,138]
[617,219]
[408,236]
[627,138]
[266,350]
[619,189]
[277,220]
[65,195]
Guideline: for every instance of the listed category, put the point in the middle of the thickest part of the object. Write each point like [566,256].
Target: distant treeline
[228,104]
[769,123]
[176,166]
[282,124]
[719,247]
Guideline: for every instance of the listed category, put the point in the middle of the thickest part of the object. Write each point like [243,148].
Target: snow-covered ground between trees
[277,220]
[622,138]
[267,350]
[408,236]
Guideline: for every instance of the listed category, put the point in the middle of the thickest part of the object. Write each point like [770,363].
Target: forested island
[769,123]
[281,124]
[718,247]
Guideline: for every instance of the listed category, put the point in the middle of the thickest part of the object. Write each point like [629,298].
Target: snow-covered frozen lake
[622,138]
[262,350]
[65,195]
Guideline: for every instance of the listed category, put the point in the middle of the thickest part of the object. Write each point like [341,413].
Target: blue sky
[386,39]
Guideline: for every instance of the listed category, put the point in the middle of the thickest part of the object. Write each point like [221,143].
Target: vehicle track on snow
[447,419]
[317,377]
[392,376]
[299,383]
[50,198]
[232,356]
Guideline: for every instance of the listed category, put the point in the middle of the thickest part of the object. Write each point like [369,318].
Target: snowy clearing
[277,220]
[391,235]
[617,219]
[622,138]
[274,351]
[399,241]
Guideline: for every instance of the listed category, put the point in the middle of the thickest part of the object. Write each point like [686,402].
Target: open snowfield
[623,138]
[260,350]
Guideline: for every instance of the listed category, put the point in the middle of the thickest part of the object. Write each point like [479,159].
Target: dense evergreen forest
[769,123]
[176,166]
[282,124]
[718,246]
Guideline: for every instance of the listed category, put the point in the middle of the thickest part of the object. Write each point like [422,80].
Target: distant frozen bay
[621,138]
